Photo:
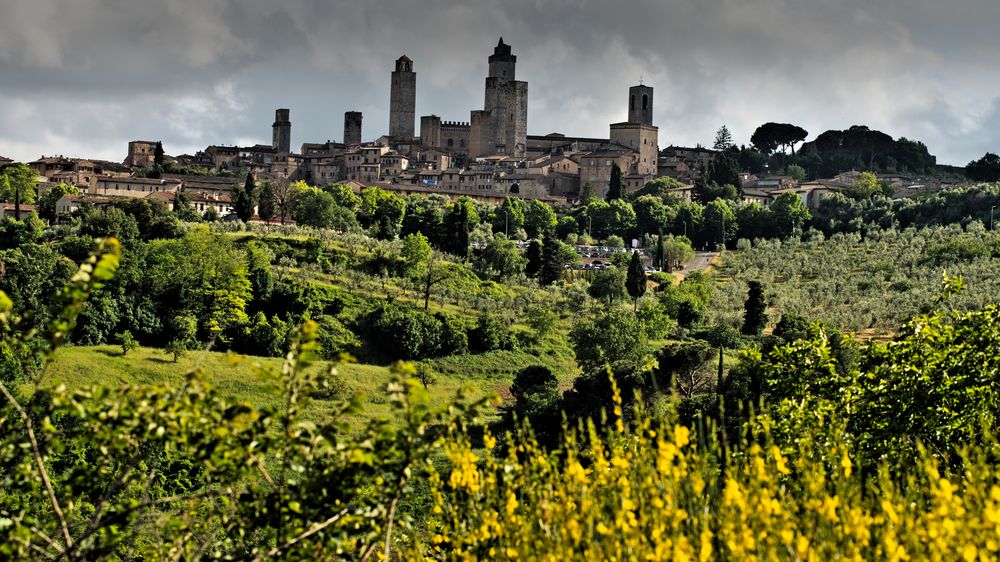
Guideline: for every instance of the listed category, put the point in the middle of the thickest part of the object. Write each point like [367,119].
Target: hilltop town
[487,158]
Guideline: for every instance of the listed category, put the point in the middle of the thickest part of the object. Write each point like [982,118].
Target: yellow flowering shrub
[650,489]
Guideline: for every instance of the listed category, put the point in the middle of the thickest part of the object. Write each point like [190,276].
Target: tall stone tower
[352,128]
[281,138]
[402,100]
[640,105]
[430,131]
[502,126]
[639,133]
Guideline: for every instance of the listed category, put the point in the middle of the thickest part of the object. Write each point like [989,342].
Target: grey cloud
[194,72]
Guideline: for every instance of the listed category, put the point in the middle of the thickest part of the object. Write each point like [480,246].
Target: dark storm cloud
[85,76]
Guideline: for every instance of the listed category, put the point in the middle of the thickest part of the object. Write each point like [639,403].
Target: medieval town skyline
[198,73]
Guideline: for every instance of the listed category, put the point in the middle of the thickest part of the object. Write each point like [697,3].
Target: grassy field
[238,378]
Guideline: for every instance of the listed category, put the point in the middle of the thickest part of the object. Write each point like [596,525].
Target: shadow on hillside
[160,360]
[110,352]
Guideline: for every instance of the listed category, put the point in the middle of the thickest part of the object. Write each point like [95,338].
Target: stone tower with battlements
[352,128]
[402,100]
[501,127]
[281,132]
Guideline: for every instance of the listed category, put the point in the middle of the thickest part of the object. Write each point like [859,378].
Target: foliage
[245,199]
[47,202]
[614,336]
[607,285]
[723,139]
[771,136]
[986,168]
[635,279]
[754,315]
[127,342]
[614,184]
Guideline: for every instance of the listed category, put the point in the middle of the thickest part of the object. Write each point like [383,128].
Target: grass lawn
[239,378]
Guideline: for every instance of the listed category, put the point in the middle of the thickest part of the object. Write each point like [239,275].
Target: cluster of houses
[555,170]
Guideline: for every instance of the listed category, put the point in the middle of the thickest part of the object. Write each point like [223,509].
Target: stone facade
[402,100]
[352,128]
[281,132]
[141,154]
[430,131]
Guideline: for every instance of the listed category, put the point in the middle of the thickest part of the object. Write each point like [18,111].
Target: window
[645,102]
[607,162]
[631,102]
[451,142]
[462,143]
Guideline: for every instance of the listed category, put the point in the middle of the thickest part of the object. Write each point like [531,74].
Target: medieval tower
[402,100]
[281,137]
[639,133]
[501,127]
[352,128]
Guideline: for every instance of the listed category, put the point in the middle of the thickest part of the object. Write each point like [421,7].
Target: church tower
[502,126]
[639,133]
[402,100]
[640,105]
[281,132]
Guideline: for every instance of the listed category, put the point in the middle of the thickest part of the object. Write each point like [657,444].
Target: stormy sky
[82,77]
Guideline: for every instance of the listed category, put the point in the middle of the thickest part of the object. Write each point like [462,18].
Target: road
[701,260]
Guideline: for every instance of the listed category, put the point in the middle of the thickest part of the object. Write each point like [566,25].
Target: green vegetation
[860,284]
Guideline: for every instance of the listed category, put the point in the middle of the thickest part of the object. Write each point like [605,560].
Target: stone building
[281,137]
[501,127]
[402,100]
[639,133]
[141,153]
[352,128]
[430,131]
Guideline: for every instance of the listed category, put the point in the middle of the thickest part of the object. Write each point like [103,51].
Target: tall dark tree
[244,199]
[457,225]
[723,139]
[725,170]
[534,256]
[986,168]
[659,255]
[770,136]
[635,279]
[266,205]
[615,185]
[158,154]
[553,260]
[754,315]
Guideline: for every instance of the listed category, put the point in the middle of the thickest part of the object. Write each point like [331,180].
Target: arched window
[645,102]
[451,142]
[462,143]
[631,102]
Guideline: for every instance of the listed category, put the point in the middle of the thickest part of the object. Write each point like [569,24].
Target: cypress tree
[534,257]
[658,258]
[552,260]
[243,199]
[754,317]
[158,154]
[266,205]
[635,280]
[615,185]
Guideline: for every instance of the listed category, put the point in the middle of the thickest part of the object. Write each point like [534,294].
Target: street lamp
[590,223]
